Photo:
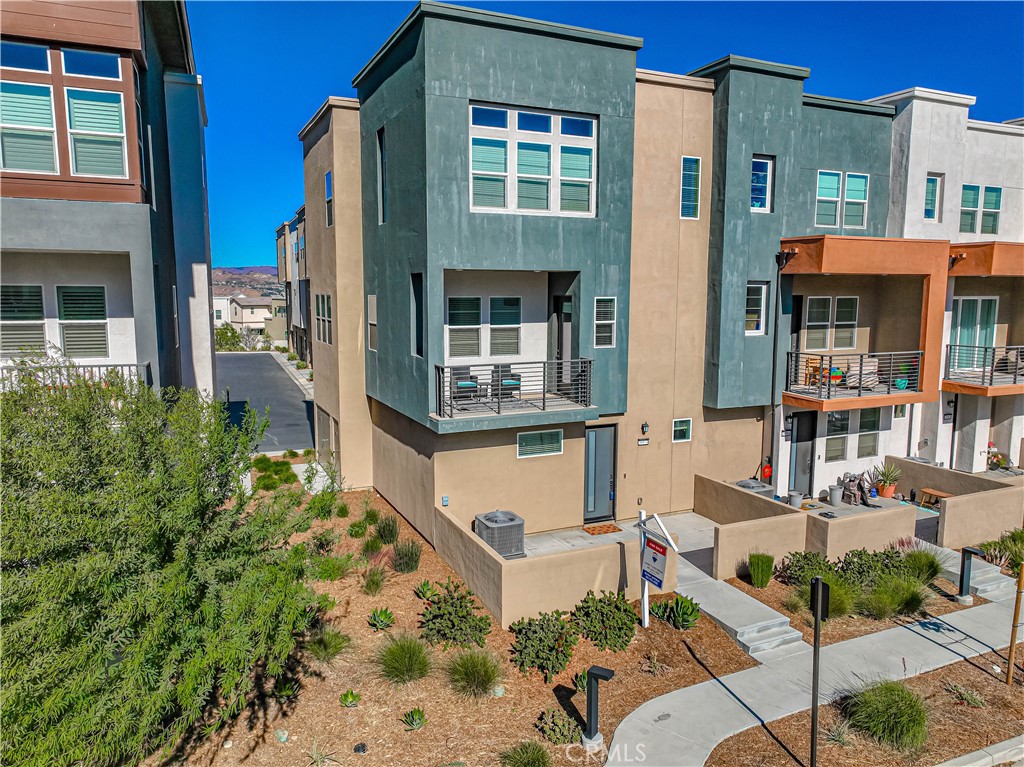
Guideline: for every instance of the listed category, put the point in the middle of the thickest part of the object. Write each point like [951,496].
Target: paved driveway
[258,378]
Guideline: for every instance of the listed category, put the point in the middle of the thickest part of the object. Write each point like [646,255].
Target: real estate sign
[652,567]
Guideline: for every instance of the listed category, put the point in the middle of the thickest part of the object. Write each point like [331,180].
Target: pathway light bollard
[967,553]
[593,740]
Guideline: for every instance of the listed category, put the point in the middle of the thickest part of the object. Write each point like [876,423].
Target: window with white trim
[867,432]
[841,192]
[604,322]
[217,314]
[836,431]
[539,163]
[27,133]
[689,182]
[324,319]
[681,429]
[329,198]
[371,323]
[463,323]
[82,311]
[506,318]
[24,56]
[531,444]
[95,64]
[754,322]
[899,411]
[855,201]
[844,332]
[819,318]
[933,197]
[762,173]
[975,207]
[96,133]
[22,329]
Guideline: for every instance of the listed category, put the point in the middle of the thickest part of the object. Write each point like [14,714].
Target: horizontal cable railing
[985,365]
[63,376]
[831,376]
[512,387]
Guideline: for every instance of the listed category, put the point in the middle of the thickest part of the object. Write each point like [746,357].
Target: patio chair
[862,373]
[464,384]
[504,383]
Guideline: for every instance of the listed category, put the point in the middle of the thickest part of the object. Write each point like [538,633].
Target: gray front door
[801,474]
[599,487]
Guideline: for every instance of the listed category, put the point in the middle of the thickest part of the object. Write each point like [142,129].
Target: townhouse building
[293,273]
[250,312]
[104,234]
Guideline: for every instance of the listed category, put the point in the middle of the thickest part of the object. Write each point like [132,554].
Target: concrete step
[986,579]
[781,652]
[751,632]
[770,640]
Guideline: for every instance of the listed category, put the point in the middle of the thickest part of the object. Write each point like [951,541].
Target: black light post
[819,608]
[967,554]
[595,674]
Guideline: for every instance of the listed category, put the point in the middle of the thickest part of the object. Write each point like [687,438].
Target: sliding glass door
[973,326]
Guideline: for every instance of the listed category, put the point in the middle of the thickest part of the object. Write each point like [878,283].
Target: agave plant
[381,618]
[349,699]
[426,591]
[414,720]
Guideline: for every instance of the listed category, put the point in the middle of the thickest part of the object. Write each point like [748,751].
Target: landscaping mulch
[458,730]
[953,728]
[851,626]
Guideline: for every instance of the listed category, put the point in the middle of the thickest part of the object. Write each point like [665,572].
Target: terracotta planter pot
[887,491]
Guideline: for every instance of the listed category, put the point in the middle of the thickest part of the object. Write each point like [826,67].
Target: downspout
[781,259]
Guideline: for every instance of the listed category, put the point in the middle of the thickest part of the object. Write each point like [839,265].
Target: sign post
[819,608]
[654,548]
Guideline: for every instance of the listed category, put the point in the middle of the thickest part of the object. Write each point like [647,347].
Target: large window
[324,318]
[464,326]
[755,316]
[844,332]
[531,444]
[27,135]
[975,207]
[96,133]
[82,311]
[24,56]
[762,171]
[689,195]
[933,197]
[604,322]
[825,331]
[819,318]
[836,431]
[844,194]
[532,162]
[506,317]
[867,437]
[22,330]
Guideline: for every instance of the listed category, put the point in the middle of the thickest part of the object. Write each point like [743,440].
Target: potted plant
[886,476]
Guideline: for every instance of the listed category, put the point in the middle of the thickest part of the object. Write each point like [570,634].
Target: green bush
[321,505]
[405,556]
[329,568]
[403,659]
[526,754]
[680,613]
[341,510]
[897,594]
[862,568]
[558,727]
[128,566]
[263,463]
[301,365]
[800,566]
[357,529]
[474,673]
[451,618]
[370,515]
[381,619]
[579,681]
[326,644]
[544,643]
[289,453]
[923,566]
[843,596]
[292,356]
[891,714]
[387,529]
[322,542]
[281,349]
[761,567]
[372,546]
[308,452]
[608,621]
[373,581]
[414,720]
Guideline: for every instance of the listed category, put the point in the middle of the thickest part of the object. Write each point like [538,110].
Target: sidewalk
[301,377]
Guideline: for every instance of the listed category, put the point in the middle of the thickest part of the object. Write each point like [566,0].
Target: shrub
[405,556]
[862,568]
[341,511]
[544,643]
[289,453]
[414,720]
[842,598]
[326,644]
[308,452]
[127,563]
[332,568]
[964,696]
[800,566]
[357,529]
[350,698]
[526,754]
[681,612]
[451,618]
[372,546]
[381,618]
[387,529]
[608,621]
[558,727]
[321,505]
[839,733]
[286,688]
[474,673]
[323,541]
[891,714]
[301,365]
[1007,550]
[903,594]
[373,581]
[370,515]
[263,463]
[426,591]
[923,565]
[403,659]
[292,356]
[281,349]
[761,567]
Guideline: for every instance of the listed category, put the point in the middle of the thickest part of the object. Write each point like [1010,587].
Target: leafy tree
[226,338]
[143,593]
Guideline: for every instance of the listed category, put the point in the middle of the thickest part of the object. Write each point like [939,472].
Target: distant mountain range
[271,270]
[247,280]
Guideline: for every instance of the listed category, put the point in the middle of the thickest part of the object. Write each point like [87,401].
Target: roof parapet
[751,65]
[925,94]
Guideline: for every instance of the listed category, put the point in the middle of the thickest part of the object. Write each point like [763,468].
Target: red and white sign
[652,567]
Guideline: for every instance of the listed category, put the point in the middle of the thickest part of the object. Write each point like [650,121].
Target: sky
[268,66]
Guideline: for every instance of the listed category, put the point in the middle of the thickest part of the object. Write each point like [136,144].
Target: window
[689,196]
[844,334]
[416,309]
[217,314]
[755,317]
[252,311]
[855,201]
[27,135]
[91,64]
[96,130]
[22,330]
[329,198]
[382,179]
[371,323]
[531,444]
[604,322]
[139,129]
[324,319]
[762,169]
[837,428]
[506,319]
[970,202]
[33,58]
[899,411]
[867,438]
[531,162]
[819,316]
[82,311]
[991,203]
[463,326]
[826,211]
[681,429]
[851,197]
[933,197]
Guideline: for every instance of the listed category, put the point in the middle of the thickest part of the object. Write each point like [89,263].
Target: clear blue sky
[267,66]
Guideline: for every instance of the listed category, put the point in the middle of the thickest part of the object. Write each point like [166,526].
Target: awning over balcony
[986,259]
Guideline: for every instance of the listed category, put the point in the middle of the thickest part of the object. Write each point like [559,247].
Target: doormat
[602,529]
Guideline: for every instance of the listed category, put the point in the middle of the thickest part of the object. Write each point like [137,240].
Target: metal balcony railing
[832,376]
[985,365]
[512,387]
[63,376]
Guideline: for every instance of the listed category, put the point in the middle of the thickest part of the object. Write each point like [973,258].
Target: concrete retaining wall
[778,536]
[872,530]
[724,503]
[966,520]
[917,475]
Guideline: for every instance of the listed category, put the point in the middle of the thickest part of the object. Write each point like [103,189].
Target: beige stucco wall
[777,535]
[724,503]
[967,520]
[917,475]
[403,453]
[872,530]
[475,562]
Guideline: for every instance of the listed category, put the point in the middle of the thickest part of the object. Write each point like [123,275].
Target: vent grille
[504,531]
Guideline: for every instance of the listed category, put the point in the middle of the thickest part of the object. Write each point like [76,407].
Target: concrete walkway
[301,377]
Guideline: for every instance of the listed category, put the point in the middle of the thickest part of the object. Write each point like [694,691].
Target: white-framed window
[506,319]
[537,163]
[463,321]
[837,430]
[324,318]
[867,432]
[605,310]
[82,311]
[98,65]
[96,133]
[845,193]
[844,331]
[682,429]
[855,201]
[762,175]
[689,187]
[991,204]
[933,197]
[826,209]
[329,198]
[754,321]
[371,322]
[217,314]
[532,444]
[976,207]
[22,325]
[27,134]
[24,57]
[817,322]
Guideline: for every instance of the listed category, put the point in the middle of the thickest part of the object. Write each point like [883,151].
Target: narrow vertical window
[534,175]
[578,167]
[464,319]
[604,322]
[755,314]
[371,323]
[844,334]
[382,178]
[490,168]
[689,197]
[762,170]
[416,310]
[932,197]
[826,212]
[867,437]
[506,317]
[836,432]
[991,204]
[855,201]
[82,311]
[970,199]
[329,197]
[819,317]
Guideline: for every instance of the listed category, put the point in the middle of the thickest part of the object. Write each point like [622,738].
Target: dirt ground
[953,728]
[851,626]
[458,730]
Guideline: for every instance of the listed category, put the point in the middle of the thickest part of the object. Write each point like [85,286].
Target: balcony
[972,369]
[62,376]
[512,388]
[831,377]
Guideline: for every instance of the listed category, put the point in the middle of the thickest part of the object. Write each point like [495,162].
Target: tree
[226,338]
[143,592]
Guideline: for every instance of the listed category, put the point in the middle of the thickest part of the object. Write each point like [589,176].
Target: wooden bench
[931,497]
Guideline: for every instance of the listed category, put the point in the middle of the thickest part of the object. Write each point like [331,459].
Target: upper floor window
[506,317]
[845,193]
[689,196]
[382,179]
[32,58]
[27,134]
[324,318]
[972,203]
[329,197]
[91,64]
[532,162]
[97,134]
[933,197]
[604,322]
[755,318]
[82,311]
[762,172]
[464,320]
[22,329]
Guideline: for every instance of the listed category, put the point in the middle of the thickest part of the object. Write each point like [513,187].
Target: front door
[801,465]
[563,344]
[599,485]
[973,330]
